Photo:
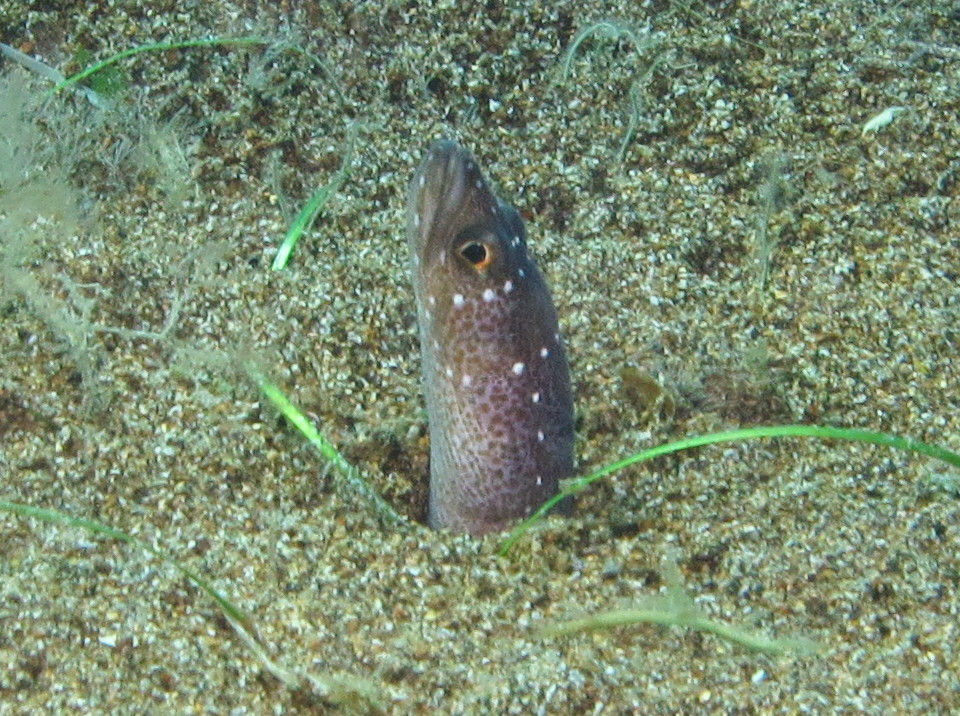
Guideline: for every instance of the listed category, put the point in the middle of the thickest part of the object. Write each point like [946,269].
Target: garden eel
[495,373]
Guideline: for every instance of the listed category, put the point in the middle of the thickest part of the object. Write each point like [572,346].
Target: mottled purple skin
[494,370]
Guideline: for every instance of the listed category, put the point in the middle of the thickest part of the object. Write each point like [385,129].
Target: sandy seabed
[748,215]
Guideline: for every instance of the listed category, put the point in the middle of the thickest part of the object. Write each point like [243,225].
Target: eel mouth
[445,194]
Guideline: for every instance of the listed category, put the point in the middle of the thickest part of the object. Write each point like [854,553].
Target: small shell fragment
[881,120]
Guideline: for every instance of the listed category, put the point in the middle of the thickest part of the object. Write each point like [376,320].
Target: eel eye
[479,255]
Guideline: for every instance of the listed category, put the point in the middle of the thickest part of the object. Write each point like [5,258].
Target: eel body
[495,373]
